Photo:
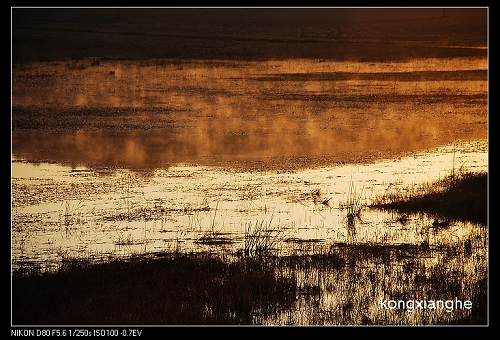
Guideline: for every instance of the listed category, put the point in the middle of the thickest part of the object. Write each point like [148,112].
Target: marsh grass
[71,214]
[351,279]
[174,288]
[337,285]
[461,196]
[340,286]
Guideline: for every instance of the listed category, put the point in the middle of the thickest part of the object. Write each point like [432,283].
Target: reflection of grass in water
[340,286]
[72,216]
[215,235]
[127,240]
[460,196]
[70,213]
[352,279]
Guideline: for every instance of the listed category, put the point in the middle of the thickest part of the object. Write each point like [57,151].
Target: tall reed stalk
[352,204]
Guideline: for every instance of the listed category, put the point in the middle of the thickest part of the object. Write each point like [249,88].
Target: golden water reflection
[157,113]
[374,127]
[232,141]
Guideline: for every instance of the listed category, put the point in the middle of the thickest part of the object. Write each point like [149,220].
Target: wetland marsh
[260,178]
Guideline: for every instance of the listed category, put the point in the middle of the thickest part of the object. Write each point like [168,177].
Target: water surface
[59,212]
[122,158]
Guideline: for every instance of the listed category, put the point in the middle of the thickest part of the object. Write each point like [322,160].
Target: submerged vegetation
[462,196]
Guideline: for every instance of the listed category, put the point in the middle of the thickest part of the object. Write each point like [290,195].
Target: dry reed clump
[261,238]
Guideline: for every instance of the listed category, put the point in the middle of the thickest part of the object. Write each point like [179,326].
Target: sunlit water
[61,213]
[159,113]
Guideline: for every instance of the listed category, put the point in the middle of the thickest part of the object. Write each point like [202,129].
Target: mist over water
[124,159]
[267,114]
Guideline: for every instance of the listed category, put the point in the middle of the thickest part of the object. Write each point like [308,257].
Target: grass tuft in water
[462,196]
[261,237]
